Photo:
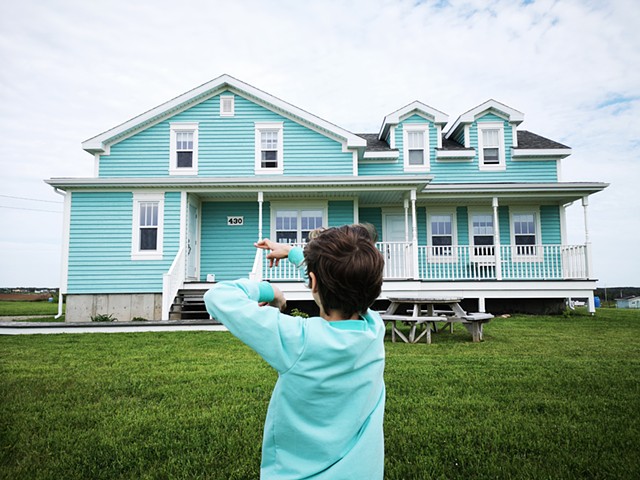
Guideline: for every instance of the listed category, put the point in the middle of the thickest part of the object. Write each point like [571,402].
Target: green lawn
[16,308]
[541,397]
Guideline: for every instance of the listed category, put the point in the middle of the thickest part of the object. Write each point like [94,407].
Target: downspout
[60,296]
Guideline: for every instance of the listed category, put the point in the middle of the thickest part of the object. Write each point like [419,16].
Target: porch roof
[368,189]
[481,193]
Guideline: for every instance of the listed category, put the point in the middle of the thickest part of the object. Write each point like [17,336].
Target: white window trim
[136,253]
[539,255]
[298,206]
[501,165]
[173,164]
[485,259]
[259,127]
[453,258]
[232,112]
[416,127]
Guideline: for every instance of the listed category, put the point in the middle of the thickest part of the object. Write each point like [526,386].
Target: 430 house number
[236,221]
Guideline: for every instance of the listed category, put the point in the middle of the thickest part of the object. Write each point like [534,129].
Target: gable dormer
[490,129]
[416,131]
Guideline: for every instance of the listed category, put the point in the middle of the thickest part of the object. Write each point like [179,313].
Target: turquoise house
[472,208]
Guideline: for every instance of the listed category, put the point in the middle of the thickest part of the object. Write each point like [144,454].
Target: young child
[326,411]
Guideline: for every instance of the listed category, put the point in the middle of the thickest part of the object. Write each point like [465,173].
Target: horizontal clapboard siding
[226,145]
[227,250]
[550,225]
[340,213]
[100,244]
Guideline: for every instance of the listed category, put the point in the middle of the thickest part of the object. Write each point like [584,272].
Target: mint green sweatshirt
[326,411]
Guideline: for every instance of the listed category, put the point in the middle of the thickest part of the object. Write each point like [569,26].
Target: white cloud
[72,69]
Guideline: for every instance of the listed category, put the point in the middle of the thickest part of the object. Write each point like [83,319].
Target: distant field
[19,308]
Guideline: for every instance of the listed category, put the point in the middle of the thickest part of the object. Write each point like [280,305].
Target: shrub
[103,317]
[139,319]
[299,313]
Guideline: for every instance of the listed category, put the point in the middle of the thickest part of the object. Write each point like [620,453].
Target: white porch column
[496,238]
[406,220]
[587,240]
[414,235]
[260,200]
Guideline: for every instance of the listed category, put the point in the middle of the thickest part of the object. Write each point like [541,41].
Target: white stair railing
[172,281]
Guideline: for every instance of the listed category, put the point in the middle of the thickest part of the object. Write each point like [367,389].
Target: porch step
[189,305]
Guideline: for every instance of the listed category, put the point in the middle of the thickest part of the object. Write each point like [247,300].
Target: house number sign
[235,221]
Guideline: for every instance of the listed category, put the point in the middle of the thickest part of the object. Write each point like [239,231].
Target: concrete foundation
[122,306]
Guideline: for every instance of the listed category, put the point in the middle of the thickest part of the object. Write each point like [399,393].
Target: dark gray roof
[374,144]
[449,144]
[528,140]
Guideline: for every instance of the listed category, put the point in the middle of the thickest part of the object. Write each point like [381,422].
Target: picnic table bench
[423,313]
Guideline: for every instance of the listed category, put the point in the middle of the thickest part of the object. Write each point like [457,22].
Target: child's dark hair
[348,268]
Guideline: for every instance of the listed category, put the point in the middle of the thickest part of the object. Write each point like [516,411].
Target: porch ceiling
[386,197]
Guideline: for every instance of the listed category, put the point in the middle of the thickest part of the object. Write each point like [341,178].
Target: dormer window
[227,105]
[491,146]
[184,149]
[269,151]
[416,147]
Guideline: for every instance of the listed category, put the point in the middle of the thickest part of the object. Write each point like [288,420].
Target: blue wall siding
[228,251]
[516,171]
[226,145]
[340,212]
[372,215]
[550,225]
[100,244]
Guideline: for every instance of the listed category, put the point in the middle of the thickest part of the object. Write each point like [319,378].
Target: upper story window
[482,231]
[293,225]
[524,227]
[269,151]
[416,147]
[184,149]
[227,105]
[148,212]
[441,232]
[491,151]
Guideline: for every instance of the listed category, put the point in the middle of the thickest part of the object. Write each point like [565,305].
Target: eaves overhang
[434,115]
[353,183]
[561,192]
[510,114]
[100,143]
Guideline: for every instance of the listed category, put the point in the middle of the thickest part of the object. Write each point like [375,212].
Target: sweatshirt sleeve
[277,338]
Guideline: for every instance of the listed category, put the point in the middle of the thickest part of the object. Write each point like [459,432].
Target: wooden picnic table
[423,312]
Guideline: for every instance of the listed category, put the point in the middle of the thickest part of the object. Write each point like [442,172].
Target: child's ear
[313,282]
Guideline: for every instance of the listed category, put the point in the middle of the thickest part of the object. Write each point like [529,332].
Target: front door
[192,242]
[395,247]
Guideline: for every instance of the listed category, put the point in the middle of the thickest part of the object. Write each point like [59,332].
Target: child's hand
[278,299]
[278,250]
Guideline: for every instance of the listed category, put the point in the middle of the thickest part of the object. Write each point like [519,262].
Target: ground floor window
[147,226]
[441,230]
[482,231]
[524,227]
[293,225]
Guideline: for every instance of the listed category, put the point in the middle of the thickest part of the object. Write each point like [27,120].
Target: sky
[71,69]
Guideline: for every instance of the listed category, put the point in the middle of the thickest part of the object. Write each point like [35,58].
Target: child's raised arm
[278,250]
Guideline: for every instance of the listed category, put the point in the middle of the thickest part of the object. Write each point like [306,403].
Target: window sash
[524,233]
[269,149]
[441,235]
[184,149]
[482,234]
[294,226]
[148,225]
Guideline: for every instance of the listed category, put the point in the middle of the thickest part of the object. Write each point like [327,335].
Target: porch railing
[516,262]
[172,281]
[461,262]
